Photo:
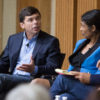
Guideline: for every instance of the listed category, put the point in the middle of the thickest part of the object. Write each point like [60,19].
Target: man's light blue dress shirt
[25,54]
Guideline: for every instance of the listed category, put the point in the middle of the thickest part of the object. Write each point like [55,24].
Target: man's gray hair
[28,92]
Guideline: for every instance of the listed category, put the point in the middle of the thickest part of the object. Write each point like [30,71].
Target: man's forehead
[33,15]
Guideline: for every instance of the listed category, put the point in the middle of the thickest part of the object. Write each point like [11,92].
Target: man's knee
[35,81]
[43,82]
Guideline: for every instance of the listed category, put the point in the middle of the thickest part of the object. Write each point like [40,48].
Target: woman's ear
[93,28]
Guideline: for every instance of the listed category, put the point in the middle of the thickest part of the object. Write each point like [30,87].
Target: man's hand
[27,67]
[83,77]
[98,64]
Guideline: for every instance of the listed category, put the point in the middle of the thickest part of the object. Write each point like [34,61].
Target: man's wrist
[35,70]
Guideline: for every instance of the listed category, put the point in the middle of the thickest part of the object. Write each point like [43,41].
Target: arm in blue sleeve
[35,70]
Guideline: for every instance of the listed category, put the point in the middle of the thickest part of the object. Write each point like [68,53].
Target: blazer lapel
[18,42]
[38,45]
[17,47]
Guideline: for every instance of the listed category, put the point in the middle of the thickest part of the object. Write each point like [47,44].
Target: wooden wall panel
[64,26]
[68,14]
[67,25]
[1,13]
[98,4]
[83,6]
[44,7]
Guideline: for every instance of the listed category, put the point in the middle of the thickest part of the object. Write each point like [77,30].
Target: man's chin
[35,32]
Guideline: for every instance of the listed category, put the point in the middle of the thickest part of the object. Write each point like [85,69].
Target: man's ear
[22,25]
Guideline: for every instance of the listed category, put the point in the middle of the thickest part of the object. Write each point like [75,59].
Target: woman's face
[86,31]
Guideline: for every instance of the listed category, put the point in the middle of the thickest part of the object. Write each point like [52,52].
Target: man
[29,54]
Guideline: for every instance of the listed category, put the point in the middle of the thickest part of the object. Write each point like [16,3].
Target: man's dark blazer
[46,53]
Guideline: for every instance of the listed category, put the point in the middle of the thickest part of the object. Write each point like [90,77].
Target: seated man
[82,62]
[29,54]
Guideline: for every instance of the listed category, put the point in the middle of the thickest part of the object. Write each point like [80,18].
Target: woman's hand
[98,64]
[83,77]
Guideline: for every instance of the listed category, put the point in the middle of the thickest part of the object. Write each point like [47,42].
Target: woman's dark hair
[92,17]
[28,11]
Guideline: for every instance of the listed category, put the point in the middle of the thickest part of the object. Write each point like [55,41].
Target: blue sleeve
[95,79]
[35,70]
[70,68]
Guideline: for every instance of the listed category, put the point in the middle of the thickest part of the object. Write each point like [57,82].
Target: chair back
[62,57]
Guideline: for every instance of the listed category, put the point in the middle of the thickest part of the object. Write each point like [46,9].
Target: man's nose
[35,21]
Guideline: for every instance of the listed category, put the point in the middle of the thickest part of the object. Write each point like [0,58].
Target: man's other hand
[27,67]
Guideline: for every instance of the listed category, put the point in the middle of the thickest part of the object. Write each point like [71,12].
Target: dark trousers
[70,87]
[7,82]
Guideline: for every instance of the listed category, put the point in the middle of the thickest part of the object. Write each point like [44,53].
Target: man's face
[31,24]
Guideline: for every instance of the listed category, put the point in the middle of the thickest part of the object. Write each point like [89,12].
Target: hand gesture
[27,67]
[83,77]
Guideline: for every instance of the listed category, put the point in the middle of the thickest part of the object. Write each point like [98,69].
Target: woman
[82,61]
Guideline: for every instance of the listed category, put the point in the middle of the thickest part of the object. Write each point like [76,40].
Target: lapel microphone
[27,44]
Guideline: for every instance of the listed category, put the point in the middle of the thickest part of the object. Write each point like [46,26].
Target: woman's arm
[95,79]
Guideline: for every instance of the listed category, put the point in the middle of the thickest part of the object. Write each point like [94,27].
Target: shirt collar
[33,38]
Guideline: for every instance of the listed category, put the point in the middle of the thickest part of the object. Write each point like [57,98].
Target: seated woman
[85,75]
